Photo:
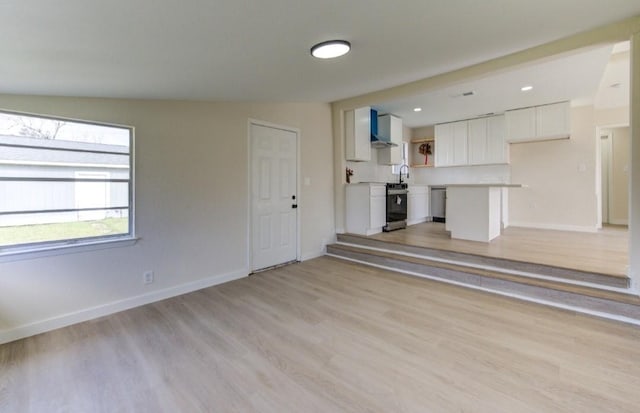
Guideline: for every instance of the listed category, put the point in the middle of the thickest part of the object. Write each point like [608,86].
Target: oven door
[396,205]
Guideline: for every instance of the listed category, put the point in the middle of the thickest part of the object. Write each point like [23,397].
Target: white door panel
[273,194]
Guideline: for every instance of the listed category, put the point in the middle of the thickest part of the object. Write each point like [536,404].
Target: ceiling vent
[464,94]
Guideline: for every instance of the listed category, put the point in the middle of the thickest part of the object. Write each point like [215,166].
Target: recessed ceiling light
[417,109]
[526,88]
[330,49]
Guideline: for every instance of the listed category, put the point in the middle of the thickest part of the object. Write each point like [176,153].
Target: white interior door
[274,230]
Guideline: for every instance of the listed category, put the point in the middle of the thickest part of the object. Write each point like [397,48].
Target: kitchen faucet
[404,165]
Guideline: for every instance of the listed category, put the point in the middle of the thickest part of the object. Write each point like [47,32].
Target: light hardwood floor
[605,251]
[328,336]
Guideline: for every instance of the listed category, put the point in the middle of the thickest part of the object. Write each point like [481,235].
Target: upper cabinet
[497,149]
[539,123]
[471,142]
[391,126]
[487,141]
[357,133]
[451,144]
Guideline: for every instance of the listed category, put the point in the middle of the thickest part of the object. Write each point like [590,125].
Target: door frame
[599,132]
[256,122]
[605,198]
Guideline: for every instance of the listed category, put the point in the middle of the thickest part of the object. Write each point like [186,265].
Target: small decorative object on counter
[425,149]
[349,175]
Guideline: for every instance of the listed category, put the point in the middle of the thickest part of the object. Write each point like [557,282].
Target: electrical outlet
[147,277]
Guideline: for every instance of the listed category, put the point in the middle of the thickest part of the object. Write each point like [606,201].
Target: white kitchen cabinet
[444,144]
[552,121]
[460,137]
[366,208]
[417,204]
[451,144]
[378,214]
[477,141]
[538,123]
[521,124]
[486,141]
[357,133]
[391,126]
[497,148]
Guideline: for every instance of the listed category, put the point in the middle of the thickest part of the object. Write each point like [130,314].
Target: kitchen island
[474,210]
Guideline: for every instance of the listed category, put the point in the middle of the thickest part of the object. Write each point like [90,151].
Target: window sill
[40,252]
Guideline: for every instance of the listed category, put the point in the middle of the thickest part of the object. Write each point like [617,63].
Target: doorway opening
[615,166]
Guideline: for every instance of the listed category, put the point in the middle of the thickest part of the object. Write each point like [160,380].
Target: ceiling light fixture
[526,88]
[331,49]
[417,109]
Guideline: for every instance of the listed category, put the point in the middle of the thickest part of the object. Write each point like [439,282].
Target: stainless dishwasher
[438,203]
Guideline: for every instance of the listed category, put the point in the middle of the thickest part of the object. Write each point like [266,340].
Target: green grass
[68,230]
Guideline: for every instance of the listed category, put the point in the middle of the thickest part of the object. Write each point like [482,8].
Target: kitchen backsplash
[371,171]
[463,175]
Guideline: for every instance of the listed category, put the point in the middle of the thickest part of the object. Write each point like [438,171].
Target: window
[63,182]
[395,169]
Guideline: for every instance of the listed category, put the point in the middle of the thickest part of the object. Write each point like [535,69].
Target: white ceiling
[615,86]
[259,50]
[575,77]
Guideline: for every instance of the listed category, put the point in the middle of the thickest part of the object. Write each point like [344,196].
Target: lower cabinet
[366,208]
[417,204]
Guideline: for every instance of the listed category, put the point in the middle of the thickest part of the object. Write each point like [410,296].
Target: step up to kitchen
[567,294]
[486,262]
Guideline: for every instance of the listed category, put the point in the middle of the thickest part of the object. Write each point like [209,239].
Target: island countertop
[488,185]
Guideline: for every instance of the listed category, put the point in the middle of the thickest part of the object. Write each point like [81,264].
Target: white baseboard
[557,227]
[115,307]
[619,221]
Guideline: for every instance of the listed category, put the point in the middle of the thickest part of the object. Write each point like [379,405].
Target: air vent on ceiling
[464,94]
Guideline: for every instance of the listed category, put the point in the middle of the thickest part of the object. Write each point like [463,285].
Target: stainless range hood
[377,141]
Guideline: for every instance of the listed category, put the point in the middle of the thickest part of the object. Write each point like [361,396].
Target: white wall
[560,176]
[191,207]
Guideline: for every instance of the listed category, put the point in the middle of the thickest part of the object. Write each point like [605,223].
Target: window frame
[395,169]
[70,245]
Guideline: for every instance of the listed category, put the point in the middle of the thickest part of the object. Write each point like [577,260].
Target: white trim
[51,250]
[297,132]
[115,307]
[69,164]
[557,227]
[498,292]
[619,222]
